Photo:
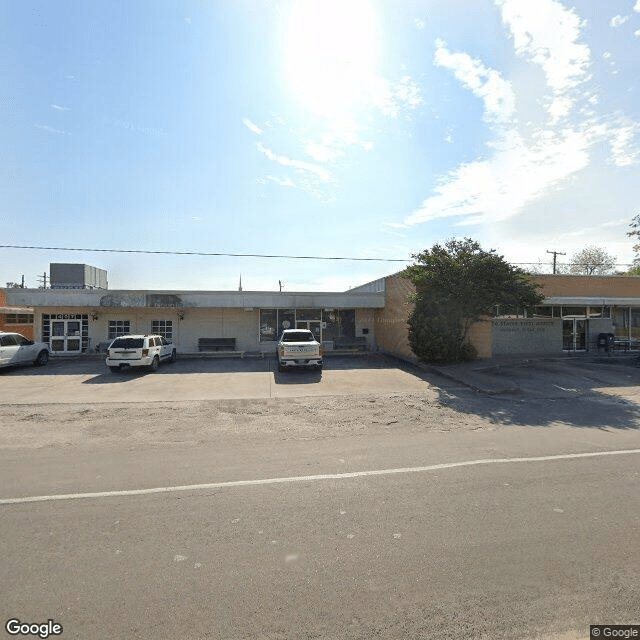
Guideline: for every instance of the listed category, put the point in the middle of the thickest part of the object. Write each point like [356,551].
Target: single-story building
[74,321]
[576,310]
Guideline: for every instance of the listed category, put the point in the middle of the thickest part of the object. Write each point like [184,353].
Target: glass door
[574,334]
[312,325]
[66,336]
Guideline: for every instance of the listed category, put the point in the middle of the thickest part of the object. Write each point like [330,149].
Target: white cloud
[421,24]
[617,21]
[637,33]
[300,165]
[488,84]
[548,34]
[46,127]
[606,55]
[57,107]
[283,182]
[637,6]
[495,189]
[392,97]
[625,143]
[254,128]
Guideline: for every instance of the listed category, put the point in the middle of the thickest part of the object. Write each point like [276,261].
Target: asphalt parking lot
[89,380]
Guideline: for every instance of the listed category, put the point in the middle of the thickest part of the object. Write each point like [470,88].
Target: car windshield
[128,343]
[298,336]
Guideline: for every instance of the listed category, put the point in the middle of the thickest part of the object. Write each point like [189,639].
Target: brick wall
[390,323]
[27,330]
[606,286]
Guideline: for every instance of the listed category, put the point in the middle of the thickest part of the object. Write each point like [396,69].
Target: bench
[358,343]
[217,344]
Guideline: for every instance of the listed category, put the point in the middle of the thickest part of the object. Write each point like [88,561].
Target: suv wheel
[42,359]
[155,363]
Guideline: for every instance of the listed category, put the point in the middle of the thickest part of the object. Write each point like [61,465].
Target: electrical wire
[206,253]
[252,255]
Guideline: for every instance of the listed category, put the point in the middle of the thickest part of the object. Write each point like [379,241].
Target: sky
[361,129]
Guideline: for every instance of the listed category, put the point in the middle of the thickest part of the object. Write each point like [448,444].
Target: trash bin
[605,341]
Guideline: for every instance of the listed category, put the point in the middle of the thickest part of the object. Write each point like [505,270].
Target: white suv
[16,349]
[139,351]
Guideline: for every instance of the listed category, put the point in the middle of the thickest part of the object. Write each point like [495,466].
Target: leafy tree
[457,284]
[635,233]
[592,261]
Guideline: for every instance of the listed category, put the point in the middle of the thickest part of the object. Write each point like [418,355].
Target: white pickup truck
[299,348]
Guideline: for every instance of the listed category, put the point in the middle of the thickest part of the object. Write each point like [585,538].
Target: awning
[16,310]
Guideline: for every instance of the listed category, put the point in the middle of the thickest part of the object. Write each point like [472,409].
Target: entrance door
[574,334]
[66,336]
[312,325]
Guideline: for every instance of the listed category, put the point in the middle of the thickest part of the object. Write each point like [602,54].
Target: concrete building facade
[80,320]
[575,312]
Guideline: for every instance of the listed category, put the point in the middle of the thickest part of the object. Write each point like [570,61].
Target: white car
[139,351]
[299,348]
[16,349]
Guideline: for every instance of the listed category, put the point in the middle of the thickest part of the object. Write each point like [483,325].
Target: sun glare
[330,53]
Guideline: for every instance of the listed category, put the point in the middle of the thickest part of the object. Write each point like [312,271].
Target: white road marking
[328,476]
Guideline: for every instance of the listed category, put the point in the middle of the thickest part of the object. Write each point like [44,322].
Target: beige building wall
[390,323]
[365,319]
[480,337]
[188,325]
[589,286]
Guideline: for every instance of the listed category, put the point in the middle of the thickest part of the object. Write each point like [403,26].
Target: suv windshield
[128,343]
[298,336]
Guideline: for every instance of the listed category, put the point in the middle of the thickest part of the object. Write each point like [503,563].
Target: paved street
[385,514]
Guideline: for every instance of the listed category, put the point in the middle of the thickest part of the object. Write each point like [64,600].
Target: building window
[541,312]
[340,323]
[19,318]
[119,328]
[274,321]
[268,325]
[600,312]
[574,312]
[163,328]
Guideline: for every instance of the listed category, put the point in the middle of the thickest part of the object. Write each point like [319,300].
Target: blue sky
[352,128]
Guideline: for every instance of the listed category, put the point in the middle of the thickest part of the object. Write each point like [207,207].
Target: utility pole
[555,253]
[280,285]
[43,277]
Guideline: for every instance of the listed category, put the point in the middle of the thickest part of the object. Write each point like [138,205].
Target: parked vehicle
[299,348]
[139,351]
[15,349]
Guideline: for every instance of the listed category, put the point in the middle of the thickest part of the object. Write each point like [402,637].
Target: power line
[205,253]
[256,255]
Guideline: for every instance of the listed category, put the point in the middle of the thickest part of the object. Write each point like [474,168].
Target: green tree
[457,284]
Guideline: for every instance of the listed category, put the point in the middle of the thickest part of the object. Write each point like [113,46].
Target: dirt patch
[203,421]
